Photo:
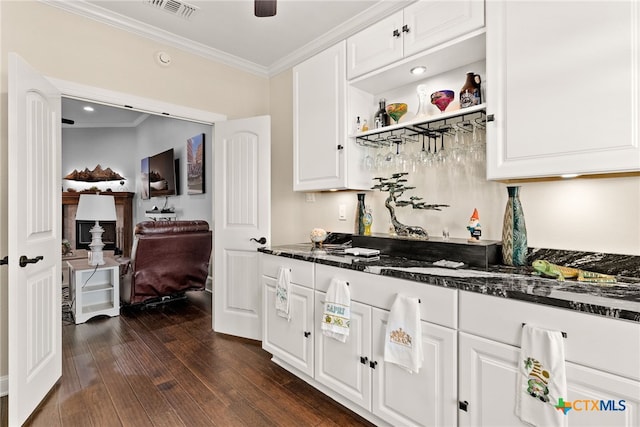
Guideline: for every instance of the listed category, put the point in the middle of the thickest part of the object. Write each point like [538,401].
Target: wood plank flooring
[165,367]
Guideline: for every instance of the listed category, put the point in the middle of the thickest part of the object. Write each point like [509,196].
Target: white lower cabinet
[289,340]
[428,398]
[488,364]
[470,344]
[344,367]
[356,370]
[488,384]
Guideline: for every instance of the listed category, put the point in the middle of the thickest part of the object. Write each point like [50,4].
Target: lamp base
[96,256]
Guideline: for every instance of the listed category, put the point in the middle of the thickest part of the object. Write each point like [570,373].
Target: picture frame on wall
[195,164]
[144,179]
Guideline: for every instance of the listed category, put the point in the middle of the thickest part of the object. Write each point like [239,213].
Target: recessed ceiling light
[569,175]
[418,70]
[88,108]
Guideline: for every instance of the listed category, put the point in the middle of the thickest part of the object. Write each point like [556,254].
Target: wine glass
[442,99]
[401,160]
[368,161]
[441,155]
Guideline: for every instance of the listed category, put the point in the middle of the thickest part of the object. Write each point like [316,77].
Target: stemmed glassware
[368,160]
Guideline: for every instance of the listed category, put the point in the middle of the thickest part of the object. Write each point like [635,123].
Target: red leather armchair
[167,259]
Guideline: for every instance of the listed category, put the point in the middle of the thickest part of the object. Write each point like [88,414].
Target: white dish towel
[336,318]
[283,284]
[542,379]
[403,338]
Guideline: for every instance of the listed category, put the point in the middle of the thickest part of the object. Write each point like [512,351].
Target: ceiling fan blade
[264,8]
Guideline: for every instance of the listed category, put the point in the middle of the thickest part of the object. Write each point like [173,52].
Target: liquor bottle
[470,92]
[382,118]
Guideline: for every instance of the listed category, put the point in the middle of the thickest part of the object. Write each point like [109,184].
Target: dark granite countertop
[618,300]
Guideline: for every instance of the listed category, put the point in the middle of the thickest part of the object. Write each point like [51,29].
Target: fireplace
[118,233]
[109,237]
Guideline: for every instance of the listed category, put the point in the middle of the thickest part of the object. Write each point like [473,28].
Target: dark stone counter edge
[467,284]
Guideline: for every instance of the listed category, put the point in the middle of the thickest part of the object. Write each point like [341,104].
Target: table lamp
[95,207]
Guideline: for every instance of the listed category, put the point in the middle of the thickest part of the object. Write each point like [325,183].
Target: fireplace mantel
[124,212]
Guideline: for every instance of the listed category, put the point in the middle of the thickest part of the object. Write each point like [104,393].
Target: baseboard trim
[4,385]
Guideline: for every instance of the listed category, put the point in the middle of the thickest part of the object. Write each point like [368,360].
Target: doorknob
[261,240]
[4,260]
[24,260]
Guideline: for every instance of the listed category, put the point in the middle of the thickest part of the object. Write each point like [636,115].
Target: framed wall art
[195,165]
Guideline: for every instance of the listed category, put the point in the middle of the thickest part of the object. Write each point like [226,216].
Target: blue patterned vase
[514,231]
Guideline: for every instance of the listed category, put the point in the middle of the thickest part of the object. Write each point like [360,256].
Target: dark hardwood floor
[165,367]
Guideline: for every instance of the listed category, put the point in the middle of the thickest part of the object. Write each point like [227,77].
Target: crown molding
[134,26]
[339,33]
[359,22]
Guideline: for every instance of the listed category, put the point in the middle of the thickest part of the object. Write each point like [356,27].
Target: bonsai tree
[396,187]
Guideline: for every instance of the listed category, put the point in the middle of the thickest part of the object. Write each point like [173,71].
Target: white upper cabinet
[378,45]
[429,23]
[416,28]
[320,154]
[563,87]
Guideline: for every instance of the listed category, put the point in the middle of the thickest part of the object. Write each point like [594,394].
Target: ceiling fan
[264,8]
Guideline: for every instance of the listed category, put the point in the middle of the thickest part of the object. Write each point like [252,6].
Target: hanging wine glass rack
[430,127]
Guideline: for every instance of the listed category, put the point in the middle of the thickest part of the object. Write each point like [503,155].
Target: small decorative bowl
[318,235]
[442,99]
[396,111]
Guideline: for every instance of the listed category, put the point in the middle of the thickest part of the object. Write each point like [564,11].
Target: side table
[95,291]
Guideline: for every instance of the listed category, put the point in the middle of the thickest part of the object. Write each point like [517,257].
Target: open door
[35,323]
[242,222]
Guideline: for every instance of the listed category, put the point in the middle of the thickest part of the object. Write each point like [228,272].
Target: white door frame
[152,106]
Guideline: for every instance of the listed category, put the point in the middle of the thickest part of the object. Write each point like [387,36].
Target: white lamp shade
[96,207]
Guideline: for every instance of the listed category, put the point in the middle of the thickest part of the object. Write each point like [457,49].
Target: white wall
[157,134]
[88,147]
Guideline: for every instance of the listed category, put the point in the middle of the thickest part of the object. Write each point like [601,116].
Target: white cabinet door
[562,86]
[344,367]
[428,398]
[420,26]
[377,45]
[289,340]
[319,108]
[430,23]
[618,398]
[488,383]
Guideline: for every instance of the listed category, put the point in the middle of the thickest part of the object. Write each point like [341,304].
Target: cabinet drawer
[438,304]
[608,344]
[301,271]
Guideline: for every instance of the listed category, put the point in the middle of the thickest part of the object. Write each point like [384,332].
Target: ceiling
[228,32]
[102,116]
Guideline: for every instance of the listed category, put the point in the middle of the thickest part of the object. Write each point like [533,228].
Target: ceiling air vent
[174,7]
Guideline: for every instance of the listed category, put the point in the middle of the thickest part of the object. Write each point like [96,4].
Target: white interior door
[242,213]
[35,334]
